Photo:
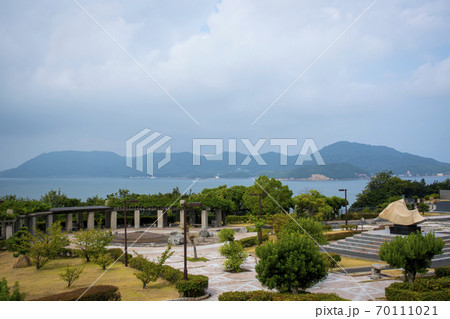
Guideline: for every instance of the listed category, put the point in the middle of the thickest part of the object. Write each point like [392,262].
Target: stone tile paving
[220,281]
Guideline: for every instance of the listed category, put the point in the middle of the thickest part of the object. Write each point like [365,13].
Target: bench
[375,272]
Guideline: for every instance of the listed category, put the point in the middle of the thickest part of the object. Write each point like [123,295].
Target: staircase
[367,244]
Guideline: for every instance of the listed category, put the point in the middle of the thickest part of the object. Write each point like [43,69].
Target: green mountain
[344,160]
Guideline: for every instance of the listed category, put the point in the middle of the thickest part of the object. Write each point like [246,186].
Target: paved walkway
[348,287]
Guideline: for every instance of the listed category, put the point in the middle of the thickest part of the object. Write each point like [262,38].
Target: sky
[66,83]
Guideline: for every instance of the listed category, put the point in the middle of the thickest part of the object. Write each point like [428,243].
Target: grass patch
[350,262]
[198,259]
[40,283]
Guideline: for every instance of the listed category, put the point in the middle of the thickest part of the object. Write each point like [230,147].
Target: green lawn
[39,283]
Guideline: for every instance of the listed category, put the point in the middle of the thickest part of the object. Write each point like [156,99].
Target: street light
[345,190]
[184,204]
[260,215]
[125,226]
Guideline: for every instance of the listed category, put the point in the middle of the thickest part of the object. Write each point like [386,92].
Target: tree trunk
[410,276]
[144,285]
[195,249]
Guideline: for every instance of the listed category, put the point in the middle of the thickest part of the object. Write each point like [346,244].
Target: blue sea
[83,188]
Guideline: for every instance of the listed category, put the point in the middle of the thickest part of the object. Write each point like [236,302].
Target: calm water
[86,187]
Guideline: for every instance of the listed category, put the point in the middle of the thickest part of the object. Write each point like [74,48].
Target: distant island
[344,160]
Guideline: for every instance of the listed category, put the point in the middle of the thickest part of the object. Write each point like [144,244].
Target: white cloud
[431,79]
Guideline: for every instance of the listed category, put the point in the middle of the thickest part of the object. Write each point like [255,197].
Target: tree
[59,199]
[104,260]
[413,253]
[20,242]
[45,246]
[234,254]
[92,242]
[303,226]
[279,195]
[423,208]
[192,238]
[314,205]
[71,274]
[5,295]
[292,264]
[151,271]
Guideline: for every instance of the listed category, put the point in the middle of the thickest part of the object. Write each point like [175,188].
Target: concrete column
[182,217]
[113,220]
[80,220]
[192,217]
[49,221]
[204,219]
[107,219]
[32,225]
[3,230]
[8,230]
[91,220]
[137,218]
[160,218]
[69,222]
[218,217]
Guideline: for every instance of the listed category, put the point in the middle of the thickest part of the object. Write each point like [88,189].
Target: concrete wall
[444,194]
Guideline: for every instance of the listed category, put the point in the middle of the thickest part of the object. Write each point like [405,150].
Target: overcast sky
[65,85]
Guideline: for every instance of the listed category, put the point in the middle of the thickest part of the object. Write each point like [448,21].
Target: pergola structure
[10,226]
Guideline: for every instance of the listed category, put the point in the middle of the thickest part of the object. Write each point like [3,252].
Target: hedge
[332,262]
[252,241]
[423,289]
[236,219]
[442,271]
[95,293]
[261,295]
[342,235]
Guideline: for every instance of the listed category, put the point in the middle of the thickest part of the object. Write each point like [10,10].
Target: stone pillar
[3,230]
[80,221]
[137,218]
[91,220]
[182,217]
[48,222]
[204,219]
[8,230]
[113,220]
[32,225]
[218,217]
[69,222]
[160,218]
[107,219]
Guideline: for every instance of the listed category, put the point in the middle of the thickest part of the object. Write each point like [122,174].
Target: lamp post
[260,215]
[125,226]
[345,190]
[184,204]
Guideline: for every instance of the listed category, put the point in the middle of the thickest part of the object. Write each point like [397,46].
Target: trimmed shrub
[261,295]
[292,264]
[236,219]
[194,286]
[331,262]
[95,293]
[234,254]
[327,227]
[348,227]
[442,271]
[226,234]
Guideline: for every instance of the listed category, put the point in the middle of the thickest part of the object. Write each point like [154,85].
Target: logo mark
[145,144]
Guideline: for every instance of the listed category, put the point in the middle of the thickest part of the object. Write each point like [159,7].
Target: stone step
[351,253]
[362,241]
[359,248]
